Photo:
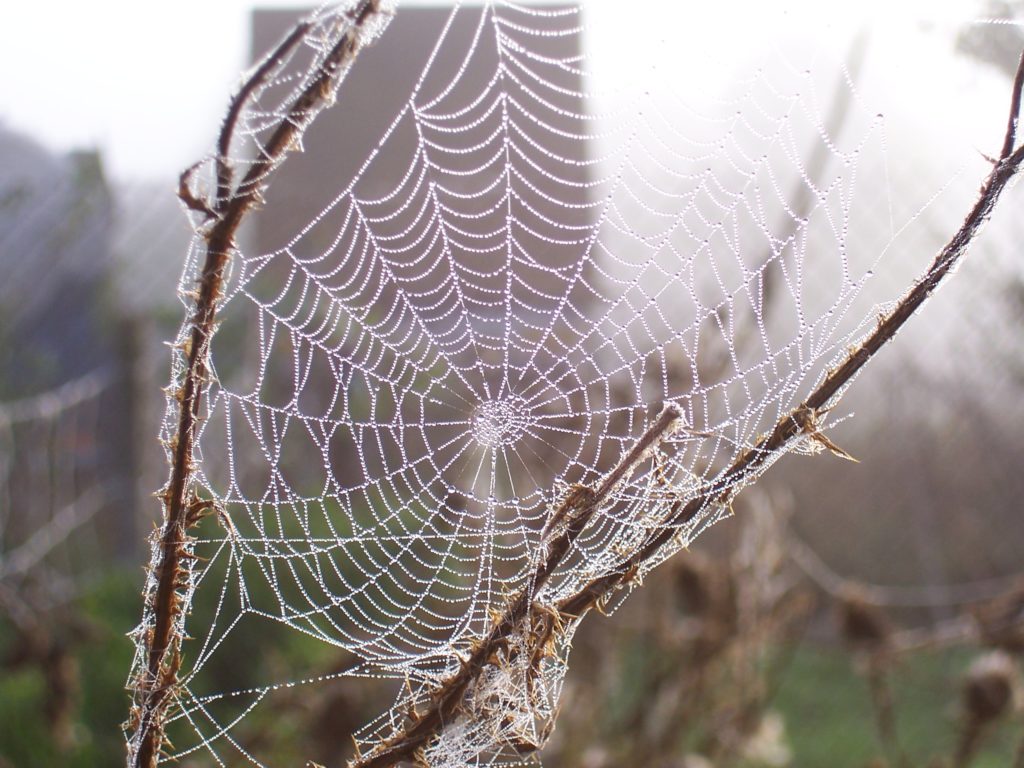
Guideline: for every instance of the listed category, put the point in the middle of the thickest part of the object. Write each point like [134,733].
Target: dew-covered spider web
[495,262]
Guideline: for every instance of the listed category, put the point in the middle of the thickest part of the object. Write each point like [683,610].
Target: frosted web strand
[490,307]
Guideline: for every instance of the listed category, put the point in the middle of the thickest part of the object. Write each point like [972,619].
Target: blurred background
[853,615]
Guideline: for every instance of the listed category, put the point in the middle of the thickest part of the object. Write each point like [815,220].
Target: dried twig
[1013,122]
[154,687]
[570,518]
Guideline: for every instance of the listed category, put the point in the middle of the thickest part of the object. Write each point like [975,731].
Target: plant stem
[576,510]
[154,687]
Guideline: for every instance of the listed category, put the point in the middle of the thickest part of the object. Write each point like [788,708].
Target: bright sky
[146,82]
[140,80]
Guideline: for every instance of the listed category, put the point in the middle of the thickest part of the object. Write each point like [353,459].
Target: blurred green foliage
[829,720]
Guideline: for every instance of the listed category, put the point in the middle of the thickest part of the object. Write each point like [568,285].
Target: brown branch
[571,517]
[154,687]
[241,98]
[802,422]
[1011,126]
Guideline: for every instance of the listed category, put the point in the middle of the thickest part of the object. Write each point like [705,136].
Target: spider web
[495,303]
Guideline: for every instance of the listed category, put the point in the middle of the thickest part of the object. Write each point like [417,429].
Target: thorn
[835,449]
[807,420]
[988,158]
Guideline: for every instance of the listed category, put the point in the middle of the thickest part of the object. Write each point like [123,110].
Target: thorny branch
[800,424]
[154,688]
[570,518]
[802,421]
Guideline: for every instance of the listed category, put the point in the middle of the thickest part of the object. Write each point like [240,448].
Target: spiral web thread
[406,388]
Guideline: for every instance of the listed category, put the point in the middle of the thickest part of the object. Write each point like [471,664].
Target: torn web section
[446,318]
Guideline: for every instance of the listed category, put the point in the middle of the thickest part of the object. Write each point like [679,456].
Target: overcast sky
[134,78]
[146,82]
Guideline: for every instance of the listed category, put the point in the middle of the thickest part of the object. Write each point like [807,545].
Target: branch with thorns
[154,686]
[526,620]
